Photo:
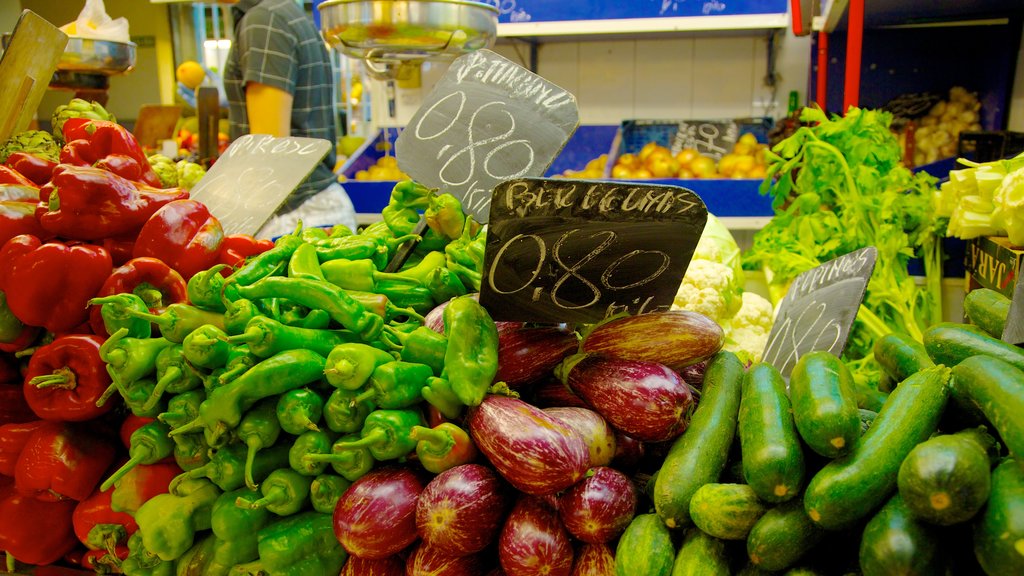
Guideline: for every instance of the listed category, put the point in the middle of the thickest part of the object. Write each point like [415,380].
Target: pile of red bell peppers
[94,225]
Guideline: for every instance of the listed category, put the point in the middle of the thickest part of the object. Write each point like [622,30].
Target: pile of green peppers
[285,379]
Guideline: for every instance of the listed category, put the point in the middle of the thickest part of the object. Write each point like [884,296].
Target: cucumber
[946,479]
[822,391]
[900,355]
[999,530]
[701,555]
[894,542]
[645,548]
[996,389]
[987,309]
[950,343]
[852,486]
[773,459]
[726,511]
[698,456]
[782,536]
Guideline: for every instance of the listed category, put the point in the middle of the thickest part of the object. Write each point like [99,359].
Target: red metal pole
[854,42]
[822,84]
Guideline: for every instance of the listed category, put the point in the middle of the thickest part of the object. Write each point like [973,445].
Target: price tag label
[579,251]
[1013,331]
[254,176]
[819,309]
[487,120]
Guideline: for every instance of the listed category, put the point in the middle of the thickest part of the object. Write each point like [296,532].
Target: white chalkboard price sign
[254,176]
[819,308]
[579,251]
[487,120]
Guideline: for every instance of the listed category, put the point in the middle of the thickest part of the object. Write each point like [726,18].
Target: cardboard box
[992,262]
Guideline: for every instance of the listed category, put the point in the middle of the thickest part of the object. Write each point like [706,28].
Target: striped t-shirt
[277,44]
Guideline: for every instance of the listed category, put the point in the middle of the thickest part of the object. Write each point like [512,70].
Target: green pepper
[439,394]
[148,444]
[266,337]
[443,446]
[386,433]
[402,212]
[191,451]
[302,317]
[178,319]
[240,360]
[211,379]
[471,359]
[396,384]
[444,215]
[339,231]
[205,347]
[174,375]
[444,285]
[343,414]
[350,461]
[382,306]
[222,410]
[182,408]
[313,294]
[204,289]
[266,263]
[136,397]
[466,254]
[113,311]
[325,491]
[226,467]
[285,492]
[378,249]
[299,410]
[168,522]
[197,560]
[404,295]
[231,522]
[316,234]
[237,315]
[310,442]
[129,359]
[230,553]
[258,429]
[304,263]
[423,346]
[285,543]
[350,365]
[362,274]
[142,562]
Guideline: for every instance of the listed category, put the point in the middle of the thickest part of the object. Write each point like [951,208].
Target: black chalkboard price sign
[487,120]
[579,251]
[254,176]
[819,309]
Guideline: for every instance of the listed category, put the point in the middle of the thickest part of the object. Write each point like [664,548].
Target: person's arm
[269,110]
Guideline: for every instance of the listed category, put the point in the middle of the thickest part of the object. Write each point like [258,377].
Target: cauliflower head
[746,333]
[709,288]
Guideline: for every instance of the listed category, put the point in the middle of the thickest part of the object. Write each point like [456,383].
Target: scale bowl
[102,57]
[386,33]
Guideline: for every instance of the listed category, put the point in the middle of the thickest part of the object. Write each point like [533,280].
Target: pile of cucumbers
[926,476]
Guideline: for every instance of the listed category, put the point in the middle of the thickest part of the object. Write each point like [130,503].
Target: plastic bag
[93,22]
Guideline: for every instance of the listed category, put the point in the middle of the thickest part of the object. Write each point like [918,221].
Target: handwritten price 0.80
[813,329]
[573,271]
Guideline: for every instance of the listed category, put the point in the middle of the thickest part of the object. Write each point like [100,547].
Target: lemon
[190,73]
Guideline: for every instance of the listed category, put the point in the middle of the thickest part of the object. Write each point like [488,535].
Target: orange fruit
[190,73]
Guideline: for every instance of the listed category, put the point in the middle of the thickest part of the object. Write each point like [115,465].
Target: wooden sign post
[819,308]
[580,251]
[487,120]
[26,69]
[253,178]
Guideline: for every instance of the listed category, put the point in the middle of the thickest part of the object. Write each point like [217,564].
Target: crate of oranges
[745,160]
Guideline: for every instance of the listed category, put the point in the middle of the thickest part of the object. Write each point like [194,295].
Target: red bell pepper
[50,284]
[12,440]
[14,334]
[183,234]
[62,460]
[86,203]
[130,424]
[19,193]
[13,406]
[35,531]
[109,144]
[9,175]
[19,218]
[152,280]
[141,484]
[35,168]
[66,377]
[10,370]
[120,247]
[237,247]
[98,526]
[103,561]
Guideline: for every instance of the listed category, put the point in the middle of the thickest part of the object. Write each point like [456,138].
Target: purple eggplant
[599,436]
[376,516]
[536,453]
[551,393]
[533,541]
[461,510]
[594,560]
[598,508]
[676,338]
[646,400]
[629,452]
[390,566]
[426,560]
[526,354]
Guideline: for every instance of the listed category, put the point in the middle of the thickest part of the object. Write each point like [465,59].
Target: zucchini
[999,530]
[894,542]
[698,456]
[950,343]
[726,511]
[782,536]
[946,479]
[867,418]
[822,391]
[773,458]
[852,486]
[899,355]
[996,389]
[701,555]
[988,310]
[645,548]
